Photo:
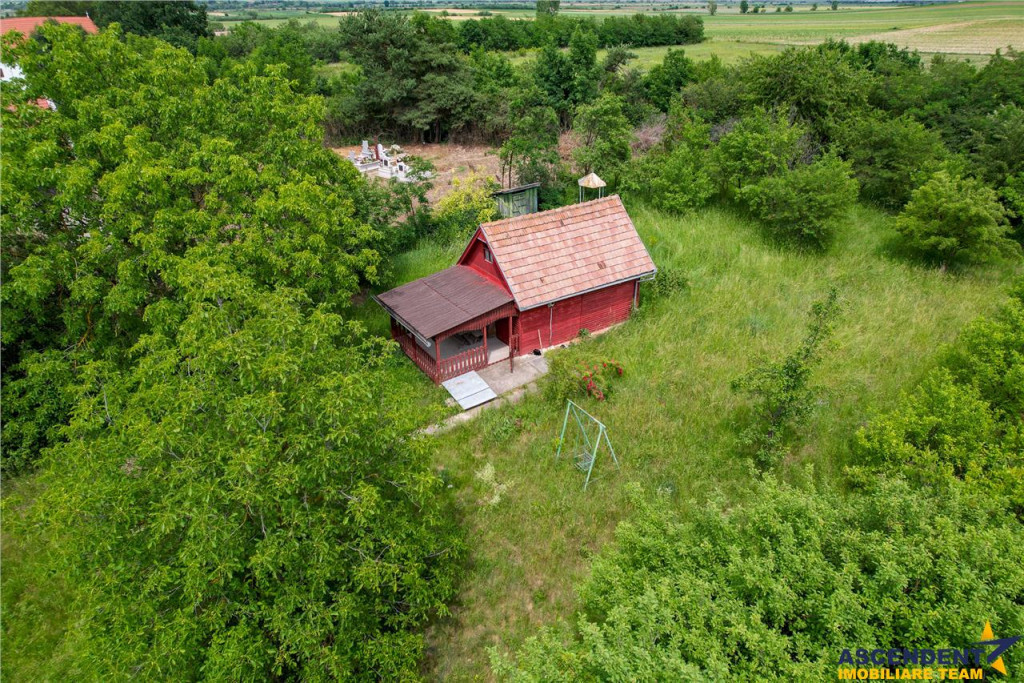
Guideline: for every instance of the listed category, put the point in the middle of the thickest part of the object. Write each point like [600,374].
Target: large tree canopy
[228,475]
[144,160]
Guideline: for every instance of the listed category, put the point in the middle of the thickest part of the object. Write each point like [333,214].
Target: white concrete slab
[469,390]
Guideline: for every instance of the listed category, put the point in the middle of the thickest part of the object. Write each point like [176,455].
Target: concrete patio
[508,387]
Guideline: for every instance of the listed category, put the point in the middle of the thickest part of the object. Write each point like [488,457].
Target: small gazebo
[591,182]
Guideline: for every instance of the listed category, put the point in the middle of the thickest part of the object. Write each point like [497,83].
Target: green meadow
[673,418]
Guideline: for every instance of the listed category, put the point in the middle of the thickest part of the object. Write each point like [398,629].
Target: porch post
[437,359]
[511,346]
[486,357]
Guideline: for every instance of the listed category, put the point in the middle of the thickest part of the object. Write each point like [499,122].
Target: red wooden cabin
[522,283]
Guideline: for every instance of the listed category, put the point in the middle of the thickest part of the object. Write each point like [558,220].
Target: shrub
[891,157]
[759,145]
[460,211]
[779,391]
[776,588]
[941,428]
[989,354]
[676,180]
[965,421]
[951,220]
[805,203]
[667,282]
[575,376]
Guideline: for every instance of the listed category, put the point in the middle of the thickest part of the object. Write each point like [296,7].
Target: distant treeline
[637,30]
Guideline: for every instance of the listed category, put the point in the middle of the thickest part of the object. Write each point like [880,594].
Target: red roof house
[26,25]
[522,283]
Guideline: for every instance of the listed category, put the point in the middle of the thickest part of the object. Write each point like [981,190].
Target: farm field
[966,30]
[673,417]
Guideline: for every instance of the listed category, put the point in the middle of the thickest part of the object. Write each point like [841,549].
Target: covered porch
[456,352]
[453,322]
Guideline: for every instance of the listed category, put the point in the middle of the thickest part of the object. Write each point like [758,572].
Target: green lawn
[673,418]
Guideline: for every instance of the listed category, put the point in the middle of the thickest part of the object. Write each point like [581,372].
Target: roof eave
[551,302]
[490,245]
[403,322]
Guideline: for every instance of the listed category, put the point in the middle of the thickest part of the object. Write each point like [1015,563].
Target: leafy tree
[413,82]
[604,133]
[834,5]
[583,67]
[821,86]
[547,7]
[777,587]
[58,8]
[254,507]
[553,76]
[758,145]
[629,83]
[891,157]
[1012,195]
[665,80]
[998,145]
[712,7]
[744,6]
[718,94]
[952,220]
[779,389]
[531,152]
[103,198]
[179,22]
[804,203]
[677,179]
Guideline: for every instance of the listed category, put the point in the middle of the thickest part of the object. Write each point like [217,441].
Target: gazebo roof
[591,181]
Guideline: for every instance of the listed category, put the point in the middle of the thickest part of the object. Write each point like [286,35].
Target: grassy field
[673,418]
[971,30]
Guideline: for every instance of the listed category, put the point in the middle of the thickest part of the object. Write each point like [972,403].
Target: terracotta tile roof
[27,25]
[443,300]
[554,254]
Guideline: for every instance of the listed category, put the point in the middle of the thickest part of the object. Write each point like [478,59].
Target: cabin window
[487,255]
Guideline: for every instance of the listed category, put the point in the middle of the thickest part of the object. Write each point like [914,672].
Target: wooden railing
[422,358]
[473,359]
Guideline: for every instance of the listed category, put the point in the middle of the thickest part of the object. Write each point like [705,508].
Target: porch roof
[447,299]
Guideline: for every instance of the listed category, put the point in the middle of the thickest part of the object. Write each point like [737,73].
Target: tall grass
[673,418]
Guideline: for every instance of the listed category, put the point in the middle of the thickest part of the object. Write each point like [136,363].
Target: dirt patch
[451,162]
[454,162]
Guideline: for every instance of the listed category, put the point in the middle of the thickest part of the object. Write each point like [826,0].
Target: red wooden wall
[474,258]
[592,311]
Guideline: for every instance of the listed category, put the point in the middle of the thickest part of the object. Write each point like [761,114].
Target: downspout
[551,324]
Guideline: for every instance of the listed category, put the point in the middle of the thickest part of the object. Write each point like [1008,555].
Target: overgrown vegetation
[779,390]
[229,479]
[217,452]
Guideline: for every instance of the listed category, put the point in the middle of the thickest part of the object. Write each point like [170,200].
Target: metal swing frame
[590,448]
